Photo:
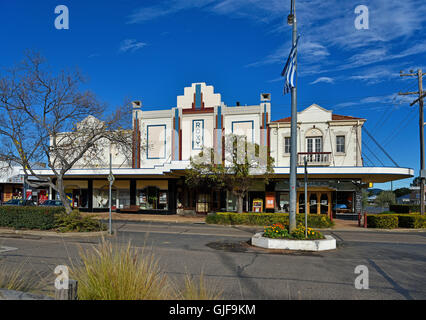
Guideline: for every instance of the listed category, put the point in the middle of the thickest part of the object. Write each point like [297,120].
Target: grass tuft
[113,272]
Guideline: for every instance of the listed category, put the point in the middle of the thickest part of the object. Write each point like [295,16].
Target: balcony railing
[315,158]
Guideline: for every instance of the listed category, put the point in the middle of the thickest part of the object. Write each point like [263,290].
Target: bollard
[67,294]
[365,220]
[359,219]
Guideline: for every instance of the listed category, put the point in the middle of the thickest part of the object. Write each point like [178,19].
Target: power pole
[293,150]
[421,94]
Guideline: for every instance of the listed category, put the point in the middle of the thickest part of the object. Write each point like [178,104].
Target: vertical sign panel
[197,134]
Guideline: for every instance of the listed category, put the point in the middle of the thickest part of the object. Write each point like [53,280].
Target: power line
[402,125]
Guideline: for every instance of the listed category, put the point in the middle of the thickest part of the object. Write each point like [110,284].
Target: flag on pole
[290,69]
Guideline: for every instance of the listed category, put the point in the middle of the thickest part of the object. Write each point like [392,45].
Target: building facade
[152,180]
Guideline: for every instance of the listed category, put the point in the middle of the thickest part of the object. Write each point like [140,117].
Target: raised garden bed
[329,243]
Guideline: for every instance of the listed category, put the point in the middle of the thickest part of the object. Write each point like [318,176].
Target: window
[340,144]
[287,144]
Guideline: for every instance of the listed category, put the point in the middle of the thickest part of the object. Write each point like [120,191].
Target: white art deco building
[164,141]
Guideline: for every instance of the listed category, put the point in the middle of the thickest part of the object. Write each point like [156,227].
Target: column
[90,195]
[172,195]
[132,192]
[318,202]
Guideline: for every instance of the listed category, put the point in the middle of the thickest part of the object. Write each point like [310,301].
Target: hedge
[382,221]
[266,219]
[392,221]
[41,218]
[404,208]
[411,221]
[47,218]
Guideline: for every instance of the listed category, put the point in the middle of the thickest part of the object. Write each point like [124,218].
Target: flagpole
[293,149]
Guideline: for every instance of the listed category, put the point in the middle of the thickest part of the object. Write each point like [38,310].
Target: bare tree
[46,117]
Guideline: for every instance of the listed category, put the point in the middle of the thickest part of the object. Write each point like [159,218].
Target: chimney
[137,110]
[137,104]
[265,102]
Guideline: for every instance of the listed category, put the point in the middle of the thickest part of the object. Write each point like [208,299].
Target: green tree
[402,192]
[244,162]
[416,182]
[385,199]
[365,196]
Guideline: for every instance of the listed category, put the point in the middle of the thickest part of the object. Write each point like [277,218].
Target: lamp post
[306,198]
[111,181]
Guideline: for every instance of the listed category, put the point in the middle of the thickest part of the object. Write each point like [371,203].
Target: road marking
[5,249]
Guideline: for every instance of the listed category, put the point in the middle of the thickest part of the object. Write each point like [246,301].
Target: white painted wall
[210,98]
[144,123]
[318,119]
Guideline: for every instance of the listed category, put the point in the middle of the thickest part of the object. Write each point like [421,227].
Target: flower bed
[281,231]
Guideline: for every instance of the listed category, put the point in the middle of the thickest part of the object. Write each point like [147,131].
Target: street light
[111,181]
[306,197]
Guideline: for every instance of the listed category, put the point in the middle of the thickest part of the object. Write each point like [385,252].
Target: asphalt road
[396,261]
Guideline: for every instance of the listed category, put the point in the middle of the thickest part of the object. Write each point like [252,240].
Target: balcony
[314,158]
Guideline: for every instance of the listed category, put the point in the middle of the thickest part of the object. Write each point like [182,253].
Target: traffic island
[329,243]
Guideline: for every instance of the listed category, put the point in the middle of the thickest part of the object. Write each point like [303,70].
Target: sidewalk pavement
[148,217]
[20,233]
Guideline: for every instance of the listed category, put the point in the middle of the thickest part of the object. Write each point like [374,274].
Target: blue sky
[151,50]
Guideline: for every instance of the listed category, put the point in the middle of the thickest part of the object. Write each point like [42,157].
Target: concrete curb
[327,244]
[331,229]
[17,295]
[373,230]
[157,221]
[52,233]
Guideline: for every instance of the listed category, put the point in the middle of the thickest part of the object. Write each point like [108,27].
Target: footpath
[147,217]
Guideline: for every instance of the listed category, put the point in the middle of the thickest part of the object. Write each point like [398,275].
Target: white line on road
[5,249]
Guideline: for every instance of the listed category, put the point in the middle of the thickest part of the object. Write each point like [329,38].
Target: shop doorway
[319,202]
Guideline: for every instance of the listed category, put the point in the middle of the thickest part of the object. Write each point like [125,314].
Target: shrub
[405,208]
[411,221]
[382,221]
[198,290]
[116,272]
[18,278]
[40,218]
[385,199]
[266,219]
[74,222]
[47,218]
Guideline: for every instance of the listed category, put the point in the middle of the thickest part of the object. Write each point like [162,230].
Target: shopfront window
[152,198]
[231,202]
[120,194]
[284,202]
